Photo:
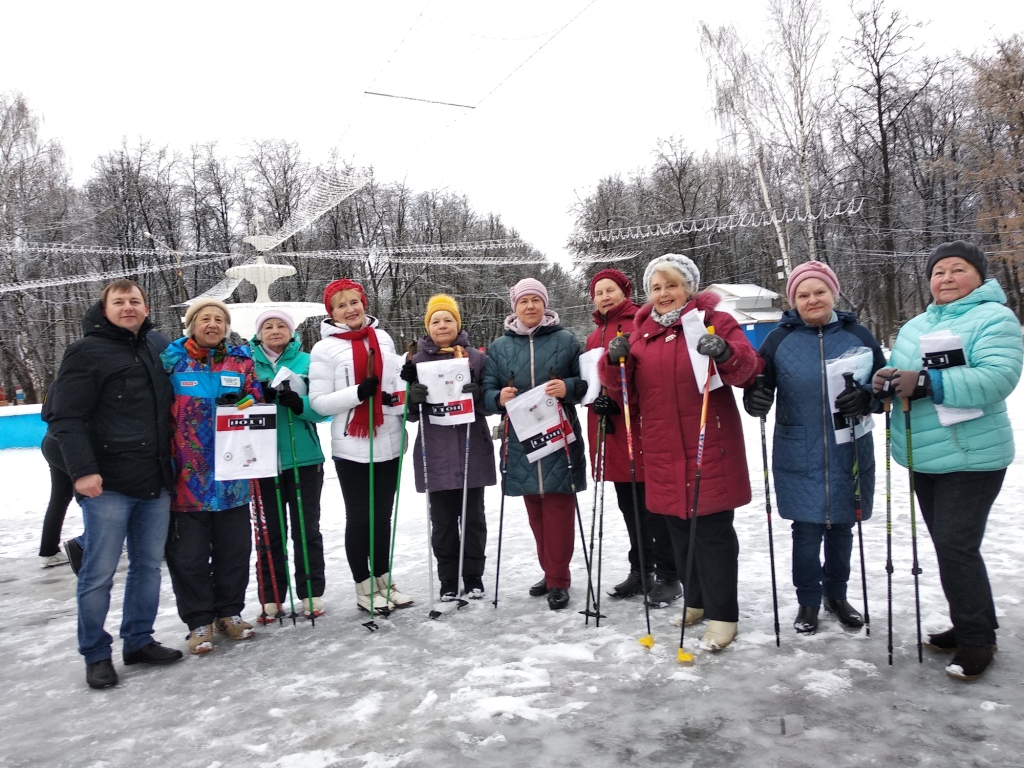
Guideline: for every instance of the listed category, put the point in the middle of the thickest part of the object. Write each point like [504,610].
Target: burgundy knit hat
[811,269]
[337,287]
[616,277]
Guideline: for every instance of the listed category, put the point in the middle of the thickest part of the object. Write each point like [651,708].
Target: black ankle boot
[848,615]
[942,641]
[632,585]
[806,621]
[970,662]
[558,599]
[539,589]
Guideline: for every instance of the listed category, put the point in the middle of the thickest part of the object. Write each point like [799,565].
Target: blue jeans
[810,578]
[110,518]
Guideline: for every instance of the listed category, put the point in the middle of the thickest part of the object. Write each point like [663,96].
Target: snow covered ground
[520,685]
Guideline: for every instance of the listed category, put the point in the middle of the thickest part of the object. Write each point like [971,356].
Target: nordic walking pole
[286,386]
[501,513]
[647,640]
[410,351]
[913,530]
[572,484]
[371,624]
[462,521]
[684,657]
[264,531]
[888,505]
[851,384]
[434,613]
[598,483]
[284,545]
[600,545]
[759,379]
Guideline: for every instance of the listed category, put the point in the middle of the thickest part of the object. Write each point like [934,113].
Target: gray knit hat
[969,252]
[682,264]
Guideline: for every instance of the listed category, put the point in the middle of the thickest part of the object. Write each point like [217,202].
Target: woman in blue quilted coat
[538,352]
[814,481]
[961,436]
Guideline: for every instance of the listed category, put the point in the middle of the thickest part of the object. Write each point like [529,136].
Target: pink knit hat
[528,287]
[811,269]
[275,314]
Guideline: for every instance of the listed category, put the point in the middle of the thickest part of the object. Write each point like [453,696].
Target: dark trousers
[810,578]
[445,510]
[657,544]
[553,522]
[716,563]
[955,507]
[311,483]
[62,490]
[354,478]
[208,558]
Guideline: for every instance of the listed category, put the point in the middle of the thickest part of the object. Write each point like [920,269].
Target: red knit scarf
[360,424]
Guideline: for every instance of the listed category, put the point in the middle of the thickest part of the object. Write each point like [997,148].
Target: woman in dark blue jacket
[814,481]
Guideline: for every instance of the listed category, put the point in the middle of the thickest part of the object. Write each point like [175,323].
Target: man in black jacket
[109,422]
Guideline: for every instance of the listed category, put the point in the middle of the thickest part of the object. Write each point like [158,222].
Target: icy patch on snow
[366,708]
[866,667]
[992,706]
[826,683]
[426,705]
[512,676]
[559,653]
[477,741]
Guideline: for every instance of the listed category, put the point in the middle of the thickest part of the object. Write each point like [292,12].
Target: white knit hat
[275,314]
[198,305]
[682,264]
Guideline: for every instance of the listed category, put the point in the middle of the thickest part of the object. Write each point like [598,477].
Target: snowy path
[520,685]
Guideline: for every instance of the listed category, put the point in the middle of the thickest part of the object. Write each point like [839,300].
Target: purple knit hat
[811,269]
[528,287]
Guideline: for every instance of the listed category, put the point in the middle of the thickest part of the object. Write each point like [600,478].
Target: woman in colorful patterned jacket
[961,452]
[209,544]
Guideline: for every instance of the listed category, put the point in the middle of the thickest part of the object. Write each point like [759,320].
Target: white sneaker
[53,561]
[380,605]
[318,609]
[399,599]
[693,616]
[718,635]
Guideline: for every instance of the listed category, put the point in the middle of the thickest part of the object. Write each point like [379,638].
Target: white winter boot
[399,599]
[318,609]
[718,635]
[363,591]
[693,616]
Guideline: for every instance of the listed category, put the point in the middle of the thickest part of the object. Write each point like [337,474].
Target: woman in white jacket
[343,376]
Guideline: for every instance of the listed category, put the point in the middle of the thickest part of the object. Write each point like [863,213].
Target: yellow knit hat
[442,301]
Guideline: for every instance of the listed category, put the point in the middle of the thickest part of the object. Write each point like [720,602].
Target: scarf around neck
[360,424]
[202,354]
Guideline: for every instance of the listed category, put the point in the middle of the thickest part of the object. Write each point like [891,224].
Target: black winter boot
[943,642]
[632,585]
[539,589]
[806,621]
[664,594]
[449,590]
[558,599]
[100,674]
[970,661]
[848,615]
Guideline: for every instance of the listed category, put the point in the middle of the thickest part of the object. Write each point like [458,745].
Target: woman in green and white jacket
[274,347]
[959,467]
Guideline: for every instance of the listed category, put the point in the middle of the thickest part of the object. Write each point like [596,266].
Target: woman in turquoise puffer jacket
[959,455]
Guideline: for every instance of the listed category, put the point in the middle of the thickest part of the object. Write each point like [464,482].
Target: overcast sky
[551,118]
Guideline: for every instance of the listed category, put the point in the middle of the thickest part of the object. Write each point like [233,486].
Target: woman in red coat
[665,373]
[610,291]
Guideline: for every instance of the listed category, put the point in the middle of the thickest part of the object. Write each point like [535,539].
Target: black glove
[618,348]
[472,388]
[367,387]
[714,347]
[854,402]
[757,401]
[417,394]
[286,398]
[409,372]
[229,398]
[605,406]
[269,392]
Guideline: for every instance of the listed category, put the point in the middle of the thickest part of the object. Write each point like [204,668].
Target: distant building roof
[742,290]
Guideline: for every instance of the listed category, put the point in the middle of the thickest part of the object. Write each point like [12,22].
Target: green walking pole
[286,386]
